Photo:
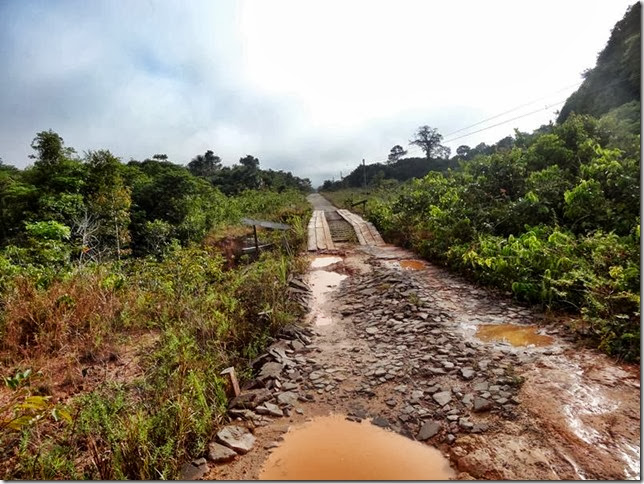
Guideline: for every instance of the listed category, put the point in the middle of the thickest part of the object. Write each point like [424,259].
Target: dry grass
[72,315]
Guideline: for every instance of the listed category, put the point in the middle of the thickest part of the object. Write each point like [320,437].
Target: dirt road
[500,391]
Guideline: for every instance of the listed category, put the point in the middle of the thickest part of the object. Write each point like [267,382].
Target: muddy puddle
[322,282]
[513,334]
[412,265]
[333,448]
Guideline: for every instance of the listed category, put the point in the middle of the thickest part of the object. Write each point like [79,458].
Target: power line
[506,121]
[512,110]
[527,114]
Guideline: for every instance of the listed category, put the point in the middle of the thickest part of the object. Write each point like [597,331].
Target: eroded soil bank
[399,346]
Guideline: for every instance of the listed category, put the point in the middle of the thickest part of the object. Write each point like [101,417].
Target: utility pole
[364,174]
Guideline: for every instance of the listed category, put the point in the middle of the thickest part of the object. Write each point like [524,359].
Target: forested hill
[615,80]
[401,170]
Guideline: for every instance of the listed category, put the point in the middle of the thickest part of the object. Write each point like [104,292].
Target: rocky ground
[399,347]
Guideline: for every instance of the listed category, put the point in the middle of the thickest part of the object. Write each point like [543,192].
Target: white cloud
[309,86]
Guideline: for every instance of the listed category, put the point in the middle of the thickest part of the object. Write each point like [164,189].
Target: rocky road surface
[399,347]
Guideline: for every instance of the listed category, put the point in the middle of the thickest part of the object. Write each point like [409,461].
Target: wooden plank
[366,232]
[346,215]
[233,379]
[376,235]
[312,244]
[327,233]
[362,226]
[319,231]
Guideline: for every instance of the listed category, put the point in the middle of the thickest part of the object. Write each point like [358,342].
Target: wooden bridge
[320,236]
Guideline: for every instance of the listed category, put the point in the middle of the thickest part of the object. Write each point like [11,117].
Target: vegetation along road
[437,317]
[499,388]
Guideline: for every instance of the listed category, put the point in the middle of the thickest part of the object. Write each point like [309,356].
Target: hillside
[615,79]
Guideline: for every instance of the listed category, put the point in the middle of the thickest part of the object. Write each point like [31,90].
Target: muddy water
[332,448]
[412,265]
[322,282]
[319,262]
[582,399]
[513,334]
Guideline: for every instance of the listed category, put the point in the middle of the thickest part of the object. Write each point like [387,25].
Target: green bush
[555,220]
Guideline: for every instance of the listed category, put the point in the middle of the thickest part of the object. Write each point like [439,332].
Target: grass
[206,318]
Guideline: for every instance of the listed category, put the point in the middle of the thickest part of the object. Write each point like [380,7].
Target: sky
[309,86]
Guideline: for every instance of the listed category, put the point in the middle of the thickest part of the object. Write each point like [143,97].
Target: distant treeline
[94,207]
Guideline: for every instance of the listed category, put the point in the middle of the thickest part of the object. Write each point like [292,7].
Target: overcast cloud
[307,86]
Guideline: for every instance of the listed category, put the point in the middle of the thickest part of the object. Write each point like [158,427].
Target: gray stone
[416,395]
[270,370]
[479,427]
[243,413]
[251,398]
[467,373]
[191,472]
[296,345]
[316,375]
[451,438]
[428,430]
[287,398]
[442,398]
[220,453]
[481,404]
[372,330]
[465,424]
[269,409]
[380,422]
[481,386]
[237,438]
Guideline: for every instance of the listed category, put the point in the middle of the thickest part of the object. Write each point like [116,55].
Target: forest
[128,266]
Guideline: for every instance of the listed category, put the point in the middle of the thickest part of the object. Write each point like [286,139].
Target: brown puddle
[412,265]
[332,448]
[513,334]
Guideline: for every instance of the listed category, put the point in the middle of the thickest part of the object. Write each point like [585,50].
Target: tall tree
[396,153]
[429,140]
[205,165]
[109,202]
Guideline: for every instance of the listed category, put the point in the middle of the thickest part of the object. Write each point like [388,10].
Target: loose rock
[219,453]
[428,430]
[237,438]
